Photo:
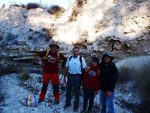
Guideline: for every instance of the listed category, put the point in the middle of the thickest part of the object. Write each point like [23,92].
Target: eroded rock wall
[119,26]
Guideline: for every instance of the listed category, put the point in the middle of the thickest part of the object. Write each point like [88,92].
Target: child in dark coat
[90,84]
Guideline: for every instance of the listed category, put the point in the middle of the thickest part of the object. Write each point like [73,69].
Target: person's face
[75,52]
[53,48]
[94,64]
[107,59]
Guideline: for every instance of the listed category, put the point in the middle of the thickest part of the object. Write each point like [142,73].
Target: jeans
[75,82]
[106,102]
[88,95]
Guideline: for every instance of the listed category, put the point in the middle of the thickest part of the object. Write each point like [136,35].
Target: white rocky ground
[14,90]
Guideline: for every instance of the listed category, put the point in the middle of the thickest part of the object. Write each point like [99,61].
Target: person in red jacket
[90,84]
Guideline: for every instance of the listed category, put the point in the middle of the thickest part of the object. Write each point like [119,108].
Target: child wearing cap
[90,84]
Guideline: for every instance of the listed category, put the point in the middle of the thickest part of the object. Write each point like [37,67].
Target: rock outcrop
[119,26]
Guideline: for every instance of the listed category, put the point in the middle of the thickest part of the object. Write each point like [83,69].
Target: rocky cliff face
[119,26]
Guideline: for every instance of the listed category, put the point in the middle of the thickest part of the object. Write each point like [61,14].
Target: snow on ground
[14,90]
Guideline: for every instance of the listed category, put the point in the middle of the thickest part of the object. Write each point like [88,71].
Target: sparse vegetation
[74,15]
[17,5]
[124,73]
[56,10]
[47,34]
[80,3]
[77,10]
[141,77]
[7,39]
[25,76]
[33,6]
[1,37]
[8,68]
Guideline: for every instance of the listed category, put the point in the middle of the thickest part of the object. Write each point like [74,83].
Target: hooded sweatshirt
[109,76]
[91,78]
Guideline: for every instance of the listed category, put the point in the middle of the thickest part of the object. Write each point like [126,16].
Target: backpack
[29,101]
[82,75]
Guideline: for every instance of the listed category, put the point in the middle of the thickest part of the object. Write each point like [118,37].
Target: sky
[62,3]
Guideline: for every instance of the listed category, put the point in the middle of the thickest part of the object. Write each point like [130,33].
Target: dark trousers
[88,95]
[73,82]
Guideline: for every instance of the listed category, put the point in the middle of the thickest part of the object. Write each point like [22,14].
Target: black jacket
[109,76]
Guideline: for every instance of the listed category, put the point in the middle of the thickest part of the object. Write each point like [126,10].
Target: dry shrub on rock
[47,34]
[25,76]
[77,9]
[33,6]
[80,3]
[17,5]
[56,10]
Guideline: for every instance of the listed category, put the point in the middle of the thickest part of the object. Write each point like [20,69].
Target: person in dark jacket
[90,84]
[109,77]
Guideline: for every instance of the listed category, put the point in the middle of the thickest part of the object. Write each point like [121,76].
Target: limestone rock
[121,27]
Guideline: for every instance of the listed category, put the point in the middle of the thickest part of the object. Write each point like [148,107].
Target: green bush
[25,76]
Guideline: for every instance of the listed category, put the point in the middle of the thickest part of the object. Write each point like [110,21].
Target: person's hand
[96,92]
[60,67]
[40,63]
[82,87]
[86,69]
[109,94]
[64,79]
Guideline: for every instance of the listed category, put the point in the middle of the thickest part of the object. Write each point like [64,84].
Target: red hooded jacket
[91,78]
